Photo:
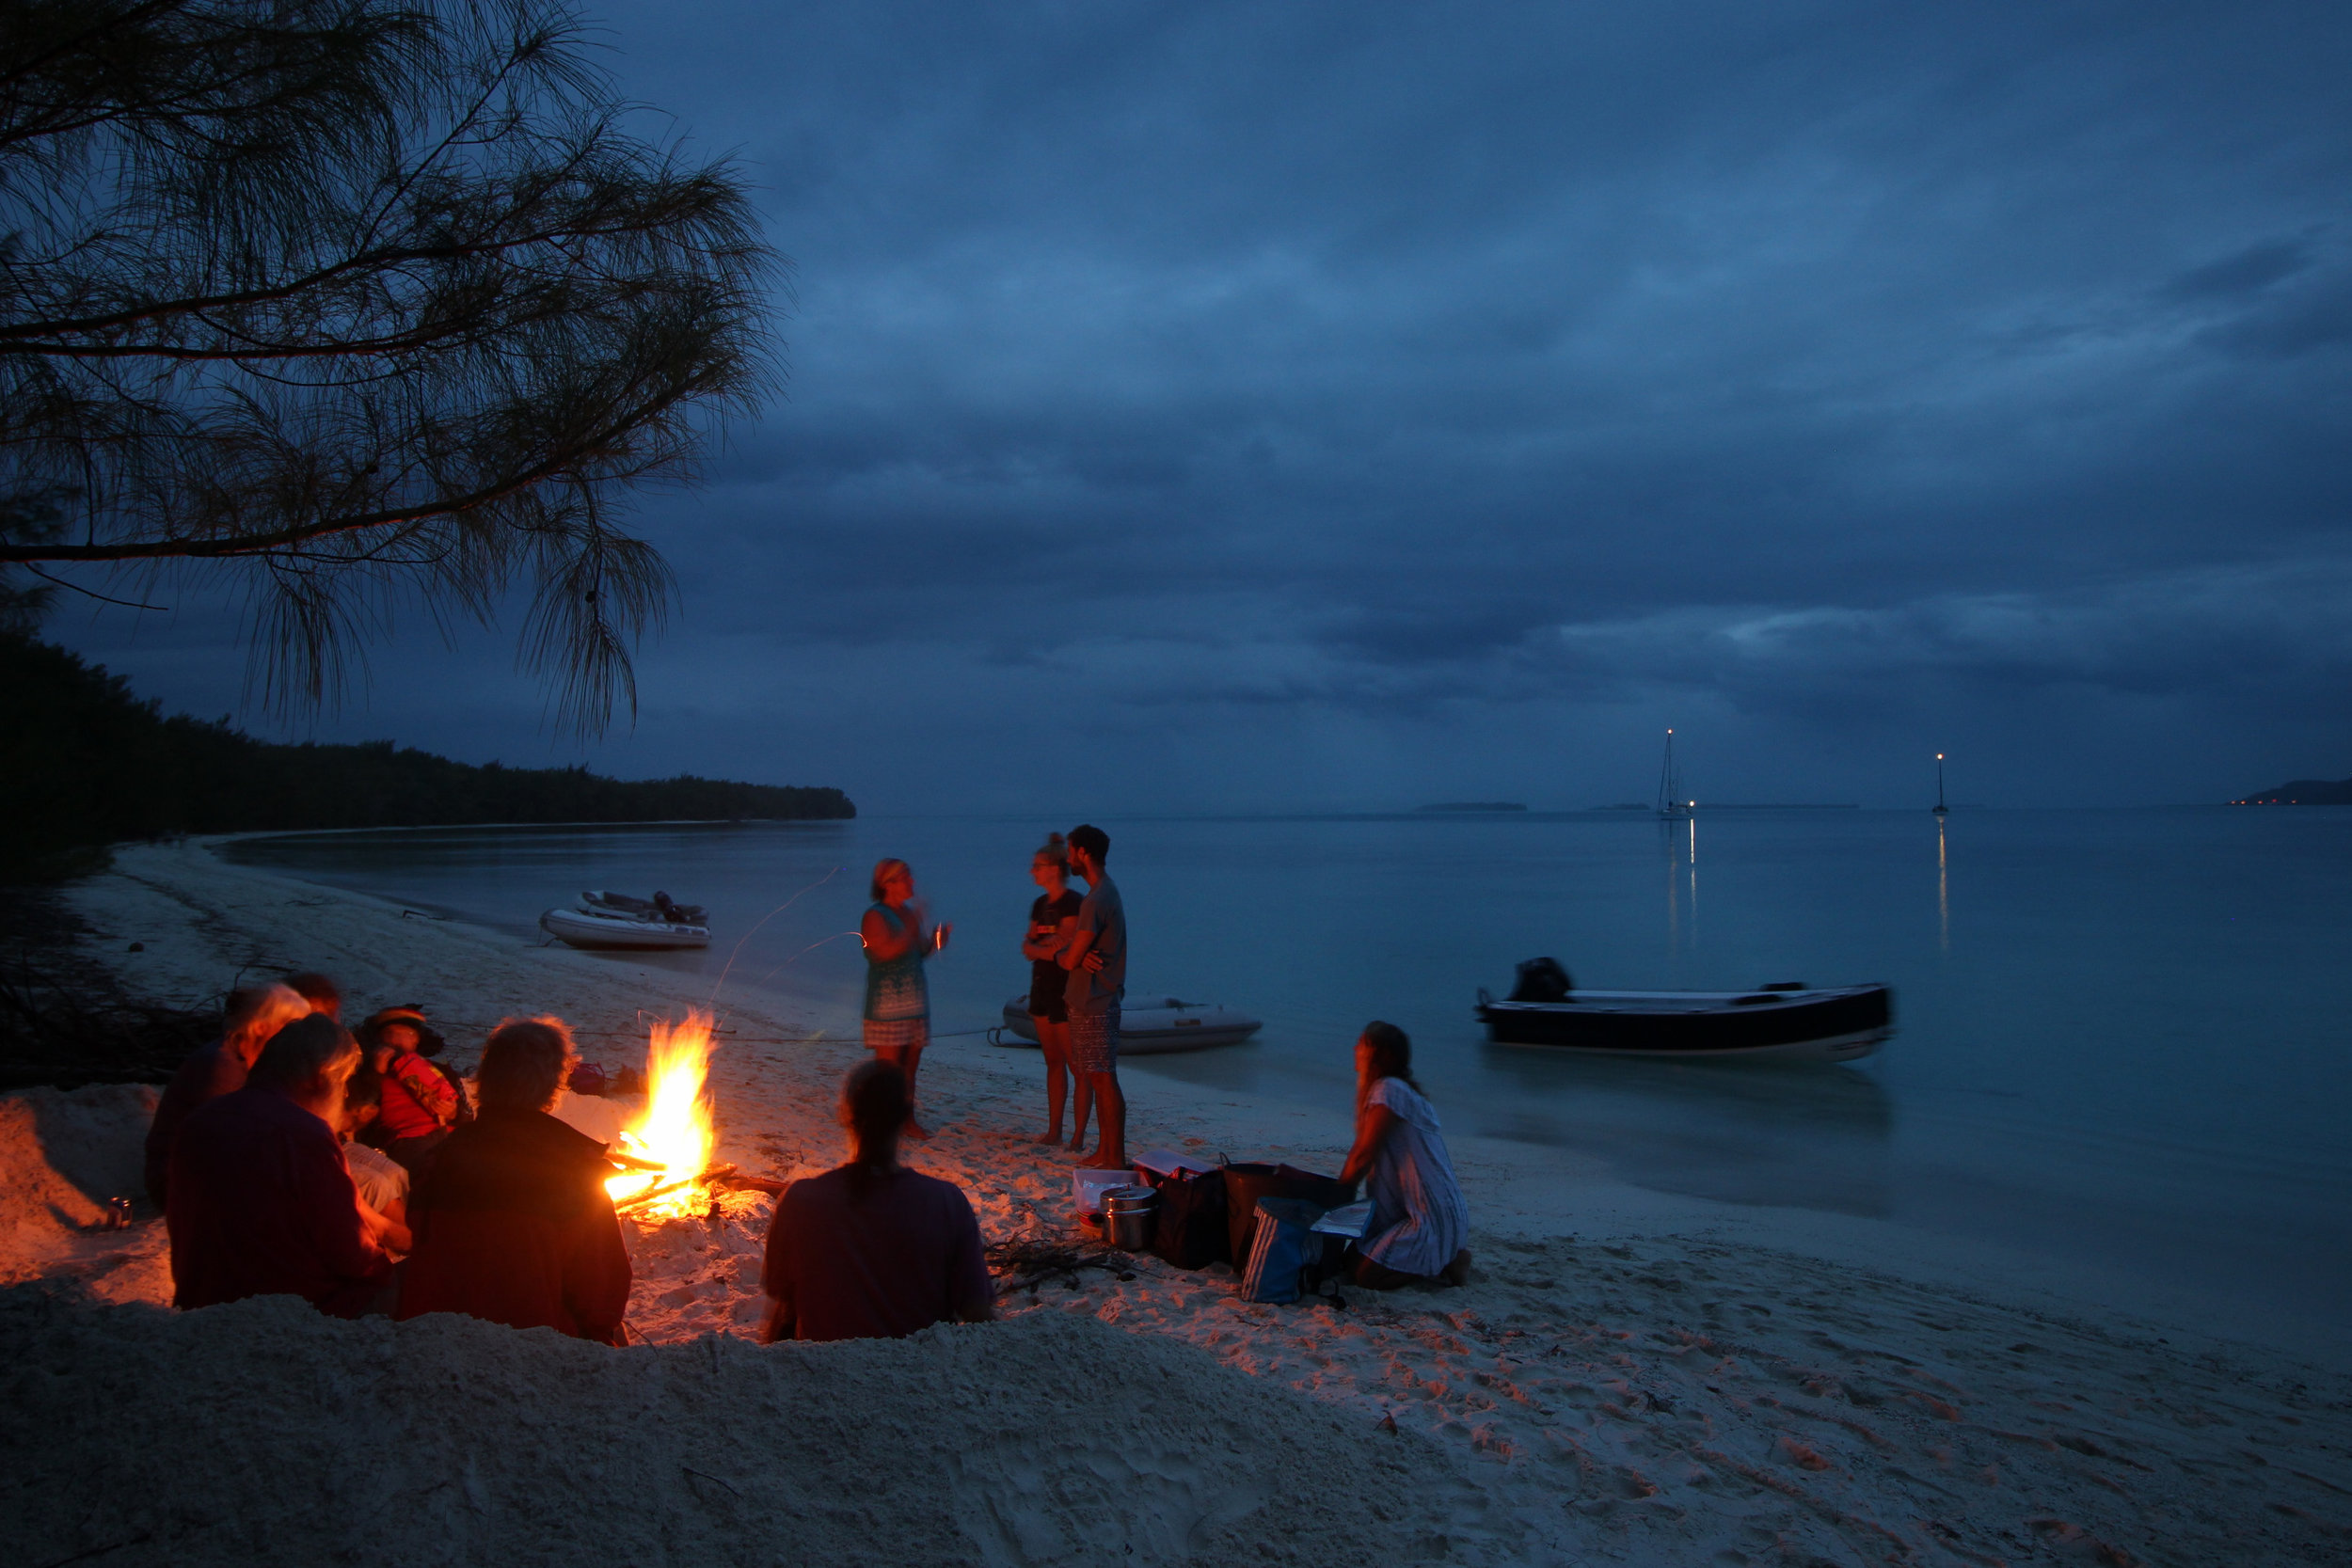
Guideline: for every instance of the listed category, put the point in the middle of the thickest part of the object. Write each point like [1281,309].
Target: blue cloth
[1280,1248]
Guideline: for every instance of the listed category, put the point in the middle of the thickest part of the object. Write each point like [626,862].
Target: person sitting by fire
[1418,1221]
[320,990]
[261,1201]
[383,1181]
[872,1250]
[421,1102]
[252,1016]
[512,1221]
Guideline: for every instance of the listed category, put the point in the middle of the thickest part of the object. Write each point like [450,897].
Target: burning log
[650,1194]
[722,1178]
[665,1154]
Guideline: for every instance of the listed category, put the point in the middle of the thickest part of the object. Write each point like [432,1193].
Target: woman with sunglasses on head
[899,938]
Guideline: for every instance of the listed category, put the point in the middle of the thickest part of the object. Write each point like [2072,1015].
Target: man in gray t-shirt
[1097,961]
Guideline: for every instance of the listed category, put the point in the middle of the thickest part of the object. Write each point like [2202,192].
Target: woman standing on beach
[1053,919]
[1418,1221]
[898,998]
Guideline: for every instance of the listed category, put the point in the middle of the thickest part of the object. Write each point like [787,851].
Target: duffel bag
[1190,1231]
[1246,1184]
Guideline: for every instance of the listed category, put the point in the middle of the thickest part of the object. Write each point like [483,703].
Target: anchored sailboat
[1671,804]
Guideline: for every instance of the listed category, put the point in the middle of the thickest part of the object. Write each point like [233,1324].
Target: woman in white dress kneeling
[1419,1221]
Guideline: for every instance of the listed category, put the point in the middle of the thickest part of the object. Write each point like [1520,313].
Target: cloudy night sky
[1240,407]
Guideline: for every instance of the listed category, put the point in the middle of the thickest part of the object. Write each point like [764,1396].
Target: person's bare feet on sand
[1099,1163]
[1457,1272]
[919,1132]
[1052,1136]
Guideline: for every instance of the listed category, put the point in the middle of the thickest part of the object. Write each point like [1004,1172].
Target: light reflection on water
[2119,1032]
[1943,890]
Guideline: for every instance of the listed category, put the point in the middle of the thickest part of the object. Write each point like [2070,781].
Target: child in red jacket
[421,1101]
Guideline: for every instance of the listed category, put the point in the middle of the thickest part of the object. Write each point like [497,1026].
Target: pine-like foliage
[373,298]
[83,764]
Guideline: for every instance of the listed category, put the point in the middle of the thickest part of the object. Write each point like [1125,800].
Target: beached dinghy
[659,907]
[1147,1025]
[1787,1020]
[615,920]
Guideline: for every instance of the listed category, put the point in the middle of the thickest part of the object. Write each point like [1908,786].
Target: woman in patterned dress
[897,999]
[1418,1221]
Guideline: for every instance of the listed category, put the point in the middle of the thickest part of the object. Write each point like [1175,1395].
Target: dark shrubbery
[83,764]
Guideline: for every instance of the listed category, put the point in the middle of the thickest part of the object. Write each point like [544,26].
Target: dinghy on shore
[615,920]
[1147,1025]
[1785,1020]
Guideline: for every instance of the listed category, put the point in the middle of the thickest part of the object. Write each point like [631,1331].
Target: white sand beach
[1626,1378]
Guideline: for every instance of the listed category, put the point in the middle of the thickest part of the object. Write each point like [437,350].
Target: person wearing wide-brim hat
[421,1101]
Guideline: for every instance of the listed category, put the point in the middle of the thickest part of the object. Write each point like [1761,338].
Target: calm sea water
[2121,1038]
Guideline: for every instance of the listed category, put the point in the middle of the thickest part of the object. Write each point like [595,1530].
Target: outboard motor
[1542,981]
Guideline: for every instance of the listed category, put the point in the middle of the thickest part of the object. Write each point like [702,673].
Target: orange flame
[676,1131]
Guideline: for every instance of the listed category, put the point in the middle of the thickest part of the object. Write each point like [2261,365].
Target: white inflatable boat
[609,928]
[1146,1024]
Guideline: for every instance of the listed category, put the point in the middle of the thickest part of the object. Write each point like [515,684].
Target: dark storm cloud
[1828,367]
[2249,271]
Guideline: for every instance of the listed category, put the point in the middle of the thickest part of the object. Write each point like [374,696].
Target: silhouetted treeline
[83,764]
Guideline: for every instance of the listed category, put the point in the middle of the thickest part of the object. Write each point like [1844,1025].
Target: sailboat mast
[1670,801]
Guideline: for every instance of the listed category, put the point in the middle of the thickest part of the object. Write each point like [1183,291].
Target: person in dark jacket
[873,1250]
[512,1221]
[261,1203]
[253,1015]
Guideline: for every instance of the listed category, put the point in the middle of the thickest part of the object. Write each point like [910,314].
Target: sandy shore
[1629,1379]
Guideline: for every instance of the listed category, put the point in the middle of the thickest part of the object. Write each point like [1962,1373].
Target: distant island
[2303,792]
[1747,805]
[85,764]
[1787,805]
[1476,805]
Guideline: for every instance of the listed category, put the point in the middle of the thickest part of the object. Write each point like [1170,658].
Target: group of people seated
[296,1157]
[351,1169]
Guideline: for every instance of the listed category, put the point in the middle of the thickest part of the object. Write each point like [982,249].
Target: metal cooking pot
[1128,1217]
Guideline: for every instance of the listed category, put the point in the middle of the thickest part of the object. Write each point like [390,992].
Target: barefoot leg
[1081,1106]
[906,1059]
[1111,1108]
[1054,1040]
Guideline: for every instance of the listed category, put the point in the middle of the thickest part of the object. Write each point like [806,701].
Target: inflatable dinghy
[1147,1025]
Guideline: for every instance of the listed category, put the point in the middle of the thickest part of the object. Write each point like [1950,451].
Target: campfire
[668,1150]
